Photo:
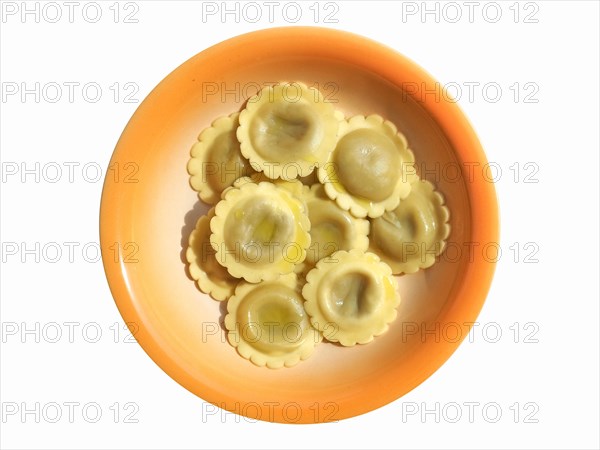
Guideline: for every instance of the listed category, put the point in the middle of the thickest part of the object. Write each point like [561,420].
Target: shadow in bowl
[189,223]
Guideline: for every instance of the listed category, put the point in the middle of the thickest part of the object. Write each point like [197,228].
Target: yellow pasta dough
[260,231]
[268,325]
[411,236]
[294,187]
[314,214]
[371,167]
[211,277]
[351,297]
[288,129]
[216,160]
[331,228]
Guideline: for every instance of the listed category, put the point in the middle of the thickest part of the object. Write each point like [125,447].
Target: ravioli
[260,231]
[411,236]
[288,129]
[332,228]
[314,215]
[216,160]
[371,167]
[267,323]
[294,187]
[210,276]
[351,297]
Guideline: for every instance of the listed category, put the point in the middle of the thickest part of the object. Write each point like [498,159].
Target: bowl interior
[151,217]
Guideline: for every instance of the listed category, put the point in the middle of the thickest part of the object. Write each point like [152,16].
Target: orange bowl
[148,211]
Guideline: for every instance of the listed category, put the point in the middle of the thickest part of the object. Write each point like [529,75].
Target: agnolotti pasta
[331,228]
[351,297]
[268,325]
[411,236]
[314,215]
[260,231]
[371,167]
[216,160]
[294,187]
[211,277]
[288,129]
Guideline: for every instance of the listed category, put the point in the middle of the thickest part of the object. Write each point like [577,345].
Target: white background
[551,371]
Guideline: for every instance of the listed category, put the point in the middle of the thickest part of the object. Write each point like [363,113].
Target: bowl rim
[397,69]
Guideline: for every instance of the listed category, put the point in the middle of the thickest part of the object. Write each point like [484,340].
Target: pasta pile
[313,215]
